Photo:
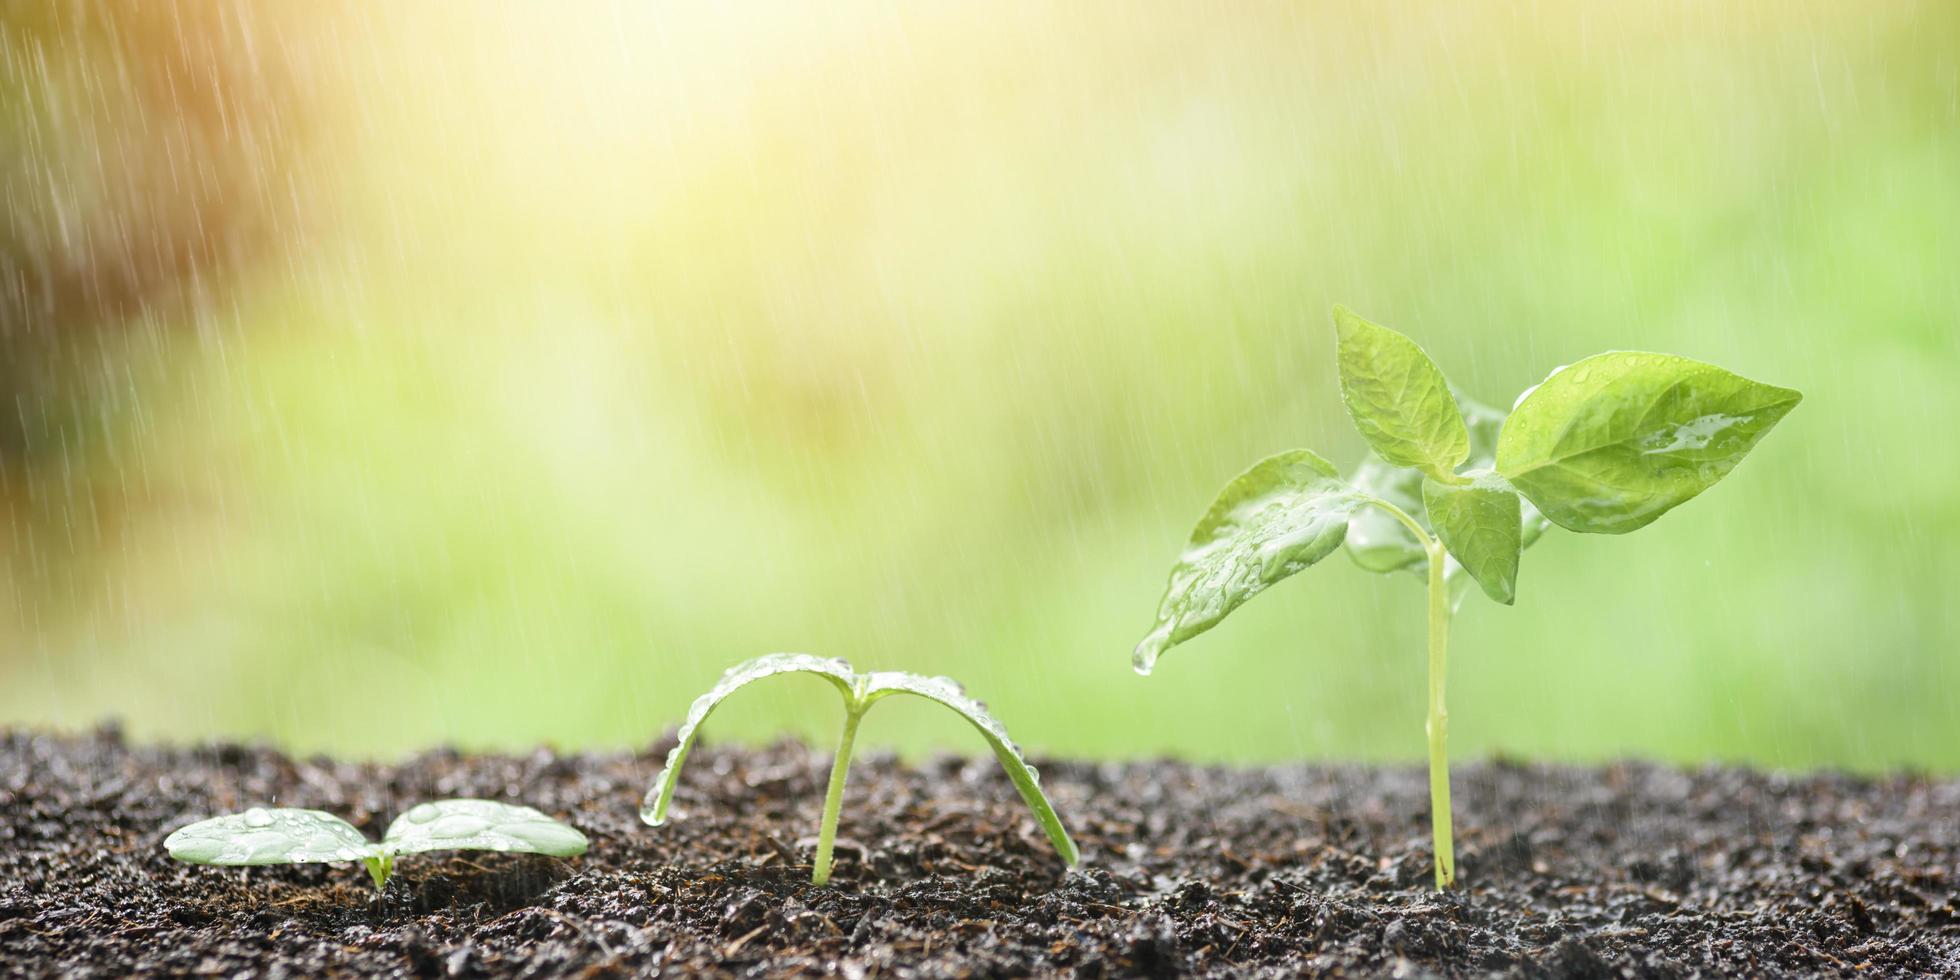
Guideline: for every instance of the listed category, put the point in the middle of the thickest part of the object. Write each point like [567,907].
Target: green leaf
[269,836]
[860,691]
[1609,444]
[1379,542]
[1282,515]
[1482,526]
[1026,779]
[480,825]
[1486,425]
[1398,398]
[653,810]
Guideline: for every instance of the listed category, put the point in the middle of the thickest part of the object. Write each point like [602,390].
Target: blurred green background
[382,376]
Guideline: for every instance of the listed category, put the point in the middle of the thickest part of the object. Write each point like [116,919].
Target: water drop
[1144,659]
[459,825]
[258,817]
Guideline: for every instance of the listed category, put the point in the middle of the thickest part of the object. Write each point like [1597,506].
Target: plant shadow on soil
[1626,870]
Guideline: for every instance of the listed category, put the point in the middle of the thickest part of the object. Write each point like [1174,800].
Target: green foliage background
[605,352]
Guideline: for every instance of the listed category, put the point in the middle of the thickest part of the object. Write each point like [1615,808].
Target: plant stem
[833,801]
[379,868]
[1439,714]
[1401,515]
[1439,718]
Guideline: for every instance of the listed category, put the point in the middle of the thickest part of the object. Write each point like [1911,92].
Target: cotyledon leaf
[660,795]
[1026,779]
[860,691]
[1284,514]
[1481,523]
[261,836]
[480,825]
[1398,397]
[1609,444]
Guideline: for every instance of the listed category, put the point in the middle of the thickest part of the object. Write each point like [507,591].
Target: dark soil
[1631,870]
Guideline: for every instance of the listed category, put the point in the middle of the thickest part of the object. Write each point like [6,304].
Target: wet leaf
[269,836]
[1486,426]
[1275,519]
[1398,398]
[1609,444]
[860,691]
[1379,542]
[1026,779]
[1482,526]
[653,810]
[480,825]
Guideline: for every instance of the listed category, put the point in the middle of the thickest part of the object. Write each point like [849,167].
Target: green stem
[1450,477]
[379,867]
[1439,714]
[833,801]
[1439,718]
[1399,514]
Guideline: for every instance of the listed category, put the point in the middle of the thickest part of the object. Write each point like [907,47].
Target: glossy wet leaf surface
[1482,526]
[1025,777]
[480,825]
[1279,517]
[1398,397]
[260,836]
[1379,542]
[660,796]
[1609,444]
[860,691]
[1486,426]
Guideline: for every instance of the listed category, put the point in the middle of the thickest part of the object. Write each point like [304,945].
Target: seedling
[290,836]
[1457,491]
[860,692]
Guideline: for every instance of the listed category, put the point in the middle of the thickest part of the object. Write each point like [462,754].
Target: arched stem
[1401,515]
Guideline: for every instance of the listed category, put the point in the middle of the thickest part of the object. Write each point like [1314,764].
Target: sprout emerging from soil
[1456,491]
[290,836]
[860,692]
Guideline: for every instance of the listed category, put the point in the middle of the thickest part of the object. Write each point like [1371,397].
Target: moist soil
[1631,870]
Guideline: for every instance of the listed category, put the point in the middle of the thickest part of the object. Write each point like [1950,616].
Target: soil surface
[1626,871]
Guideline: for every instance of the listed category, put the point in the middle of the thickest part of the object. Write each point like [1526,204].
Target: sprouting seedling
[292,836]
[1457,491]
[860,692]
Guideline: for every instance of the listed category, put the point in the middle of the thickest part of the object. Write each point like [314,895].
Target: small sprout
[860,692]
[1455,491]
[290,836]
[283,836]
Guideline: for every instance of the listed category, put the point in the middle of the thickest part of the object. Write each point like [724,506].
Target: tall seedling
[1456,491]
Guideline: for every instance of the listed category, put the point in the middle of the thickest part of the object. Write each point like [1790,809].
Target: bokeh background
[383,375]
